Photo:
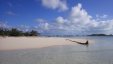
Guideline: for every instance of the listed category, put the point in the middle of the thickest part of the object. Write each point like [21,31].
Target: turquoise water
[99,52]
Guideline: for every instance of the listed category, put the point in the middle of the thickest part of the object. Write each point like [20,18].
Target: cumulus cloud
[42,24]
[3,24]
[85,22]
[24,28]
[102,16]
[60,20]
[80,22]
[77,22]
[79,15]
[61,5]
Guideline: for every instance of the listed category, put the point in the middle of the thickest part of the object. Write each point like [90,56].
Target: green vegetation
[16,32]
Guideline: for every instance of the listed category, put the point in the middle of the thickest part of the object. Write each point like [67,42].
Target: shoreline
[15,43]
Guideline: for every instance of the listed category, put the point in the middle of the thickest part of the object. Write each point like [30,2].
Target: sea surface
[98,52]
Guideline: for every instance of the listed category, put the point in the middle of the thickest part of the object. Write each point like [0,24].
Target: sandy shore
[51,50]
[13,43]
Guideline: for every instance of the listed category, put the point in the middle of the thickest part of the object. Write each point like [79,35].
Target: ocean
[98,52]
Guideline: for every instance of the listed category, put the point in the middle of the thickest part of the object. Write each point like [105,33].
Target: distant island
[79,35]
[100,35]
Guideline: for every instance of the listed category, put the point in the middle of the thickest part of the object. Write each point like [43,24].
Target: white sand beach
[13,43]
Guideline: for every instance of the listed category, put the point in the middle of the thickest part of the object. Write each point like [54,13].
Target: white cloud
[60,20]
[61,5]
[77,22]
[42,24]
[79,15]
[80,22]
[104,16]
[3,24]
[46,26]
[24,28]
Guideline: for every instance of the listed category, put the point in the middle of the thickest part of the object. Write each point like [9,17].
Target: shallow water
[99,52]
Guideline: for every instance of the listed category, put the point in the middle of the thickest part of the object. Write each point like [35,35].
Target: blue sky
[58,16]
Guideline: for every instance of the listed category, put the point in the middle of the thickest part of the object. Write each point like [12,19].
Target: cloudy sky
[58,16]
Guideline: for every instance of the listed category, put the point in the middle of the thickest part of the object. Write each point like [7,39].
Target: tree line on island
[16,32]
